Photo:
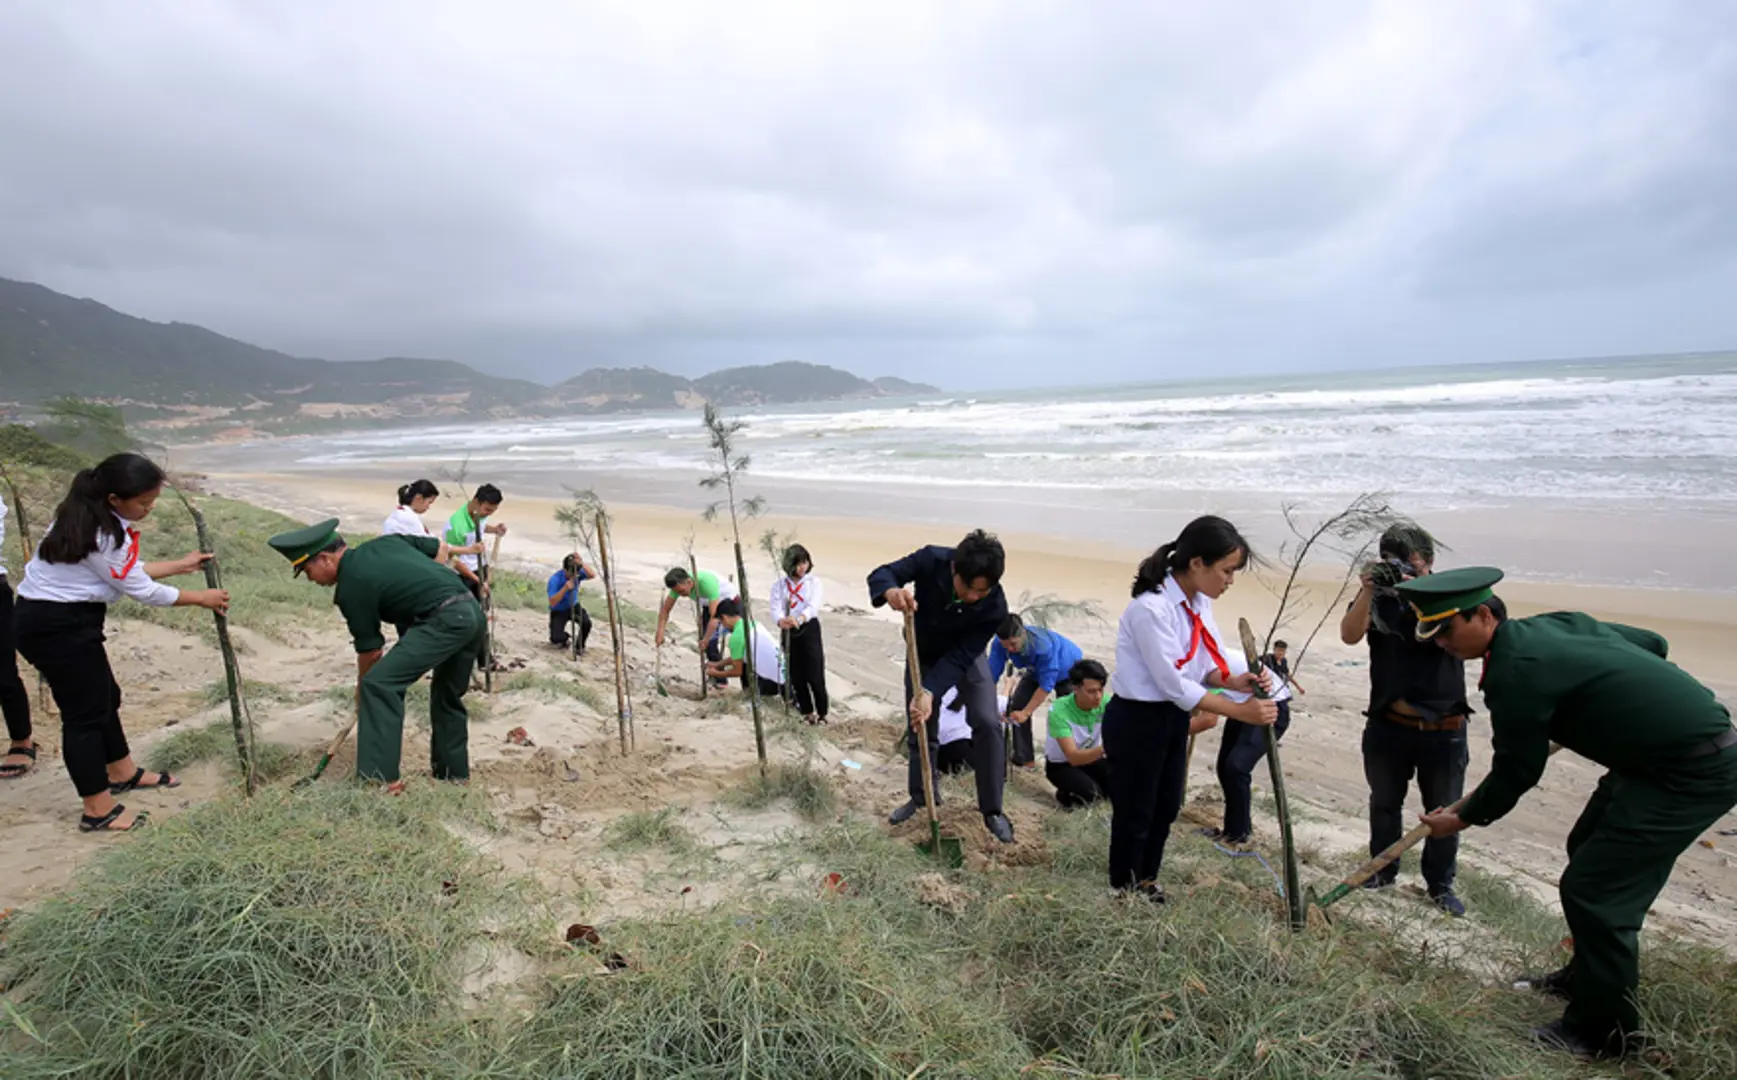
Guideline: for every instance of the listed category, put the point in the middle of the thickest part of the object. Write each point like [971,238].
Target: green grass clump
[810,792]
[283,936]
[650,829]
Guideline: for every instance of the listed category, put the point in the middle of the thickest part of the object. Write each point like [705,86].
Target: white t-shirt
[404,522]
[766,664]
[953,724]
[2,537]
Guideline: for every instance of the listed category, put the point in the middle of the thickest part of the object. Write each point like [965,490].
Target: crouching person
[399,580]
[1074,751]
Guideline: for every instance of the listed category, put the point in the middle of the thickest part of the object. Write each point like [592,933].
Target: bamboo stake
[1294,903]
[700,619]
[238,715]
[623,708]
[752,678]
[488,579]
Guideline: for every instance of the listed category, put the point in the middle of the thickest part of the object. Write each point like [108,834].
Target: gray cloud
[971,193]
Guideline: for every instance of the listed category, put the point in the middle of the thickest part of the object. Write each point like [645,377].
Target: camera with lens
[1386,573]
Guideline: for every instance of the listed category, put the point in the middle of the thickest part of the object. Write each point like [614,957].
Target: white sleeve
[110,564]
[778,602]
[1160,647]
[811,600]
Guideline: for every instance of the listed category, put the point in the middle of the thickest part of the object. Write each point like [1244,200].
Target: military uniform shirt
[391,579]
[1603,690]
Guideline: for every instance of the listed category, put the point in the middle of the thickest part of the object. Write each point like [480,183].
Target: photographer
[564,607]
[1417,711]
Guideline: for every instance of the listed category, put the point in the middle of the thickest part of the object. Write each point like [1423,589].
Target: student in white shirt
[954,734]
[413,501]
[796,611]
[14,699]
[1167,659]
[88,559]
[741,633]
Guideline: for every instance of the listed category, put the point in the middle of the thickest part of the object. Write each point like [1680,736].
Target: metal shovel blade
[949,849]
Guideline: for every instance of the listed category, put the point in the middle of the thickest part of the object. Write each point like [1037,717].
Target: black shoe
[999,827]
[903,813]
[1380,881]
[1554,983]
[1448,902]
[1557,1035]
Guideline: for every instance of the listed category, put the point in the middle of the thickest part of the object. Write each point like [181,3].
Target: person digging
[398,580]
[1608,693]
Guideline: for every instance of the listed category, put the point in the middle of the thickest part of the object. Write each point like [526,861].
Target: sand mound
[937,892]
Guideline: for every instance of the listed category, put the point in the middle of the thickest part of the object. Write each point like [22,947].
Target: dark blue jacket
[951,636]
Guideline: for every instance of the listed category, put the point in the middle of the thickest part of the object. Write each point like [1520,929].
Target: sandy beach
[1322,755]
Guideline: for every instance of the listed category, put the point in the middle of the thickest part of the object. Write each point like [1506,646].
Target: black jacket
[951,636]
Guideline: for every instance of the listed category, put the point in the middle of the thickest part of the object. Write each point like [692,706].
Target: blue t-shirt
[558,579]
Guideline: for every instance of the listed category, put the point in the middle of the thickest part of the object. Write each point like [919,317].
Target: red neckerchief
[1198,634]
[794,587]
[132,556]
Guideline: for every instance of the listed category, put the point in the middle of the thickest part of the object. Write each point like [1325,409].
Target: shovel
[1417,835]
[326,758]
[1294,903]
[948,848]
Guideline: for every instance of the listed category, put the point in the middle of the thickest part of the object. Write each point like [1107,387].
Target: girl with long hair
[1167,660]
[88,559]
[414,499]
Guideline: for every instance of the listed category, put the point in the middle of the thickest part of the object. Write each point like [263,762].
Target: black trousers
[65,643]
[769,688]
[954,757]
[1394,753]
[485,657]
[1148,741]
[988,750]
[808,668]
[1022,743]
[559,626]
[1241,749]
[14,699]
[1078,785]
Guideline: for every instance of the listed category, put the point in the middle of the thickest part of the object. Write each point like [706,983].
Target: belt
[1447,723]
[444,604]
[1715,744]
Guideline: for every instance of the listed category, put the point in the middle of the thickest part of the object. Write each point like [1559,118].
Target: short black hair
[729,607]
[1406,539]
[1010,627]
[794,556]
[1280,645]
[675,577]
[979,555]
[1087,669]
[489,495]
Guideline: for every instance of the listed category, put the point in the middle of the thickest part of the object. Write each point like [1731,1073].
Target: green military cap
[300,545]
[1439,597]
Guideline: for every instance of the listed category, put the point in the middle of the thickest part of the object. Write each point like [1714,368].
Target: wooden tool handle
[914,669]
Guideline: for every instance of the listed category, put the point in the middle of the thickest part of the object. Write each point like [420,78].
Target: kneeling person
[766,661]
[398,580]
[1074,752]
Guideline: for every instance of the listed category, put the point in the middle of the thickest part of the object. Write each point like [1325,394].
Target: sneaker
[1557,1035]
[999,827]
[1554,983]
[903,813]
[1448,902]
[1380,881]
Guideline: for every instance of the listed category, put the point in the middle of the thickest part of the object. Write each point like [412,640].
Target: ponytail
[423,488]
[84,515]
[1208,539]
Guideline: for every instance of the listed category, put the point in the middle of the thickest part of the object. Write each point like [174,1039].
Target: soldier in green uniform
[1606,692]
[398,580]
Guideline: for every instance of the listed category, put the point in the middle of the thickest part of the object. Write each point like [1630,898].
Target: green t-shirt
[391,579]
[462,530]
[708,587]
[766,663]
[1068,721]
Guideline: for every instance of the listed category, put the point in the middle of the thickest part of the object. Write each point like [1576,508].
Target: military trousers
[1620,853]
[447,642]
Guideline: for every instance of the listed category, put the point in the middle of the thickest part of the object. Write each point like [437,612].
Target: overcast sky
[974,194]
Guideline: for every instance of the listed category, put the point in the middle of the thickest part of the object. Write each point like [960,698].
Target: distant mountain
[176,375]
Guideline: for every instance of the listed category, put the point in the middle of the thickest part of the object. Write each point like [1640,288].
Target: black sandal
[164,780]
[106,823]
[13,772]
